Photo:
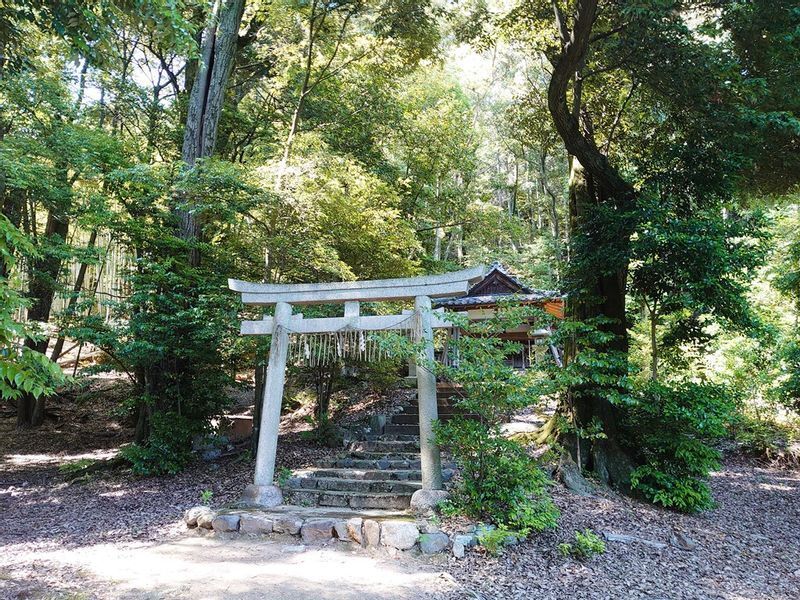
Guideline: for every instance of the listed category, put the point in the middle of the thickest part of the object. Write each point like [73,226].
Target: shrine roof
[499,284]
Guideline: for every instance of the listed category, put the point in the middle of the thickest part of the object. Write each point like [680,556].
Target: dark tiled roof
[498,266]
[498,284]
[537,296]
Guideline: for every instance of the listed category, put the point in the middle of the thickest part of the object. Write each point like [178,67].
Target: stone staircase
[381,471]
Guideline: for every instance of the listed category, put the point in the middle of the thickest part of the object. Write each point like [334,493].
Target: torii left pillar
[264,492]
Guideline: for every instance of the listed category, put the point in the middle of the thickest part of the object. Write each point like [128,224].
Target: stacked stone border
[392,534]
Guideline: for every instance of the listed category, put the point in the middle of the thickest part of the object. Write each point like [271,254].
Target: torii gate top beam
[375,290]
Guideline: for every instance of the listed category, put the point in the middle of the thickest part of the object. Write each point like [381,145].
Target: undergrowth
[586,545]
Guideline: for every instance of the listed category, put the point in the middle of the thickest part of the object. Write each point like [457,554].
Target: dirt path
[202,568]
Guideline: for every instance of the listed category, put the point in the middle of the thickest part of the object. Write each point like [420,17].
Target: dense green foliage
[22,369]
[586,545]
[674,427]
[498,479]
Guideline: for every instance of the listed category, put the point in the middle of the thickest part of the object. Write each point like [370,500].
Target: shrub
[381,375]
[767,439]
[283,476]
[587,544]
[496,539]
[498,481]
[672,426]
[787,389]
[168,449]
[324,433]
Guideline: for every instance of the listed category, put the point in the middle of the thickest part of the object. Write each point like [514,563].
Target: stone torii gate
[424,320]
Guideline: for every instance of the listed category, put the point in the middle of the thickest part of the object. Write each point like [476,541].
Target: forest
[638,158]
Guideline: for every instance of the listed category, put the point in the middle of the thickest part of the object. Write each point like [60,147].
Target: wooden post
[263,492]
[426,398]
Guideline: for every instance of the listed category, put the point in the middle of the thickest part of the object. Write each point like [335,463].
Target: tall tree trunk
[593,182]
[206,100]
[209,81]
[438,236]
[605,456]
[42,289]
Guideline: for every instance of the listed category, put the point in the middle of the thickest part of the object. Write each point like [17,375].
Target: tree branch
[618,117]
[573,55]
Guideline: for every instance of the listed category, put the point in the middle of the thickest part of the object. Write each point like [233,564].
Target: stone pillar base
[424,501]
[265,496]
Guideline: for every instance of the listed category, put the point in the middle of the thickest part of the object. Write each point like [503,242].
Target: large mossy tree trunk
[594,185]
[604,295]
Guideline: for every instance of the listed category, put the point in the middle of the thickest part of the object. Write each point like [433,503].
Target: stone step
[366,486]
[402,429]
[381,445]
[443,415]
[404,419]
[393,469]
[365,474]
[382,454]
[391,438]
[355,500]
[369,464]
[413,418]
[446,406]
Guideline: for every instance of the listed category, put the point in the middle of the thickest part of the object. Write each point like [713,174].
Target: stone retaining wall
[391,534]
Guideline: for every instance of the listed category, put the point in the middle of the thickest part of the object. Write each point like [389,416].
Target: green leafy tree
[498,479]
[684,133]
[23,370]
[788,282]
[692,267]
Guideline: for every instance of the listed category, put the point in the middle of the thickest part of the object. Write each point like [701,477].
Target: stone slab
[225,523]
[354,529]
[317,531]
[399,534]
[190,516]
[372,532]
[286,524]
[432,543]
[255,524]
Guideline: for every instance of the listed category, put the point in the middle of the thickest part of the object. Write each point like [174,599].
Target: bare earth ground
[116,536]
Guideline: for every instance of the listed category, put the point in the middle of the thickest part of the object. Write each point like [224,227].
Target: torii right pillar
[432,491]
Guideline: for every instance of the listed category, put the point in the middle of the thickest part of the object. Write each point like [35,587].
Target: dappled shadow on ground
[747,547]
[202,566]
[81,421]
[39,508]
